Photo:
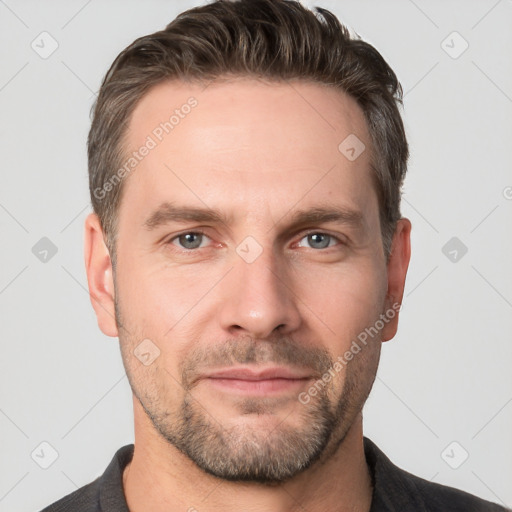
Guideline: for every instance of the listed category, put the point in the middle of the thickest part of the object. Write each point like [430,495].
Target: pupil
[189,240]
[320,240]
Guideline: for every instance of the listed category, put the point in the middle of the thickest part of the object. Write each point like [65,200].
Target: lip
[245,373]
[265,381]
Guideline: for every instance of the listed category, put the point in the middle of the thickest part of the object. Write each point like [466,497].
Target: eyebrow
[167,213]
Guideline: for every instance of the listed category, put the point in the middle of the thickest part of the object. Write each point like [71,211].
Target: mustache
[247,350]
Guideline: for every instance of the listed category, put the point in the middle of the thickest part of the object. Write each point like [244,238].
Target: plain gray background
[444,387]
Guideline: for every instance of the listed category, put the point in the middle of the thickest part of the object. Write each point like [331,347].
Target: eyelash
[201,232]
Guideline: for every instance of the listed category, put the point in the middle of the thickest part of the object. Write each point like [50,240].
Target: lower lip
[257,387]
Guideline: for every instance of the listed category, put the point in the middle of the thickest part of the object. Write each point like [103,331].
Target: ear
[98,266]
[397,270]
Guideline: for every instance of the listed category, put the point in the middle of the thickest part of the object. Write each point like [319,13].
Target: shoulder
[397,489]
[85,499]
[438,497]
[103,494]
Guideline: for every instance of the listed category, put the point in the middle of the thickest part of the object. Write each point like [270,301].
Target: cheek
[347,299]
[156,297]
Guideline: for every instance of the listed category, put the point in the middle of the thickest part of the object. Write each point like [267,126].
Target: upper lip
[245,373]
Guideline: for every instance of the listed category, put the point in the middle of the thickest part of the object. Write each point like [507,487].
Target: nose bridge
[259,297]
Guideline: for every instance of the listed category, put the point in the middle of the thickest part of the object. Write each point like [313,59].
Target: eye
[189,240]
[319,240]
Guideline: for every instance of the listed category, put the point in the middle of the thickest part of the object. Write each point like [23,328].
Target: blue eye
[192,240]
[319,240]
[189,240]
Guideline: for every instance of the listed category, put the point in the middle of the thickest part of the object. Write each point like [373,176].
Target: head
[245,173]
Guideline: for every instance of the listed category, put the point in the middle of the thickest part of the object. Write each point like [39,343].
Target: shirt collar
[392,488]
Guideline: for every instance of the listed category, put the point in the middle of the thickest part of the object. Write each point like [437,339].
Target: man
[222,150]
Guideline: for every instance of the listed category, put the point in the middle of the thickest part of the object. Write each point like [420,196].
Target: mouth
[267,381]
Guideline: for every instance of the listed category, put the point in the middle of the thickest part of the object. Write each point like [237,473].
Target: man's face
[255,289]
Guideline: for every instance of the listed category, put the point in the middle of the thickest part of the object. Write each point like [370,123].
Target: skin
[257,152]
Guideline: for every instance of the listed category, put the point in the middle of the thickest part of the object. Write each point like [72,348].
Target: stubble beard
[237,452]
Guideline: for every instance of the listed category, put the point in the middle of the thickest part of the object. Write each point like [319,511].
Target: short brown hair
[277,40]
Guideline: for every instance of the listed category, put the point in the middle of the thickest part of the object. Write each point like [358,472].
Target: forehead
[220,108]
[252,136]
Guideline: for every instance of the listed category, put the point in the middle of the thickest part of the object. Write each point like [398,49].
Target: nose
[258,299]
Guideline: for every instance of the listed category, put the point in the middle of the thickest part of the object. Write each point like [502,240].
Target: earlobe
[397,271]
[98,266]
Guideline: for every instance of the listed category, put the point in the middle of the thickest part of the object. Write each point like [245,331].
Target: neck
[160,478]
